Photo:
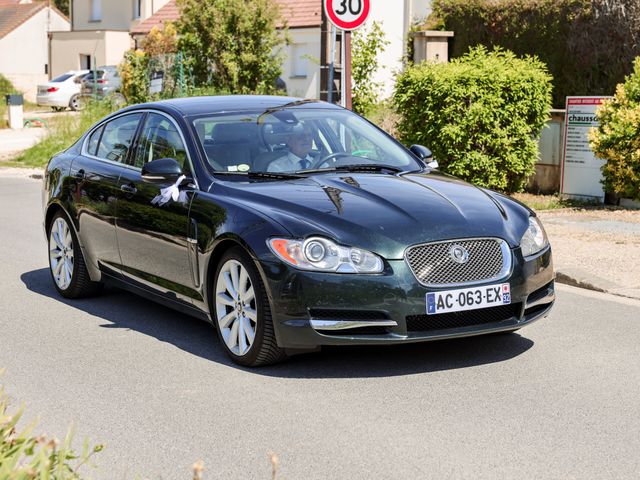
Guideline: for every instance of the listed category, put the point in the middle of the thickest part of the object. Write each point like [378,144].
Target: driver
[300,143]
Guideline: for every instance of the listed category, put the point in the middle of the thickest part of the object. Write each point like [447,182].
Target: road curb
[576,277]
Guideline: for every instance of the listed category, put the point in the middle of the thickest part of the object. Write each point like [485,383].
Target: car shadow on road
[124,310]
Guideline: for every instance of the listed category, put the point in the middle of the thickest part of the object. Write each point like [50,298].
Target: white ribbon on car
[171,193]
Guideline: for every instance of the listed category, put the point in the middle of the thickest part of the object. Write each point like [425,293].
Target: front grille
[444,321]
[342,314]
[432,264]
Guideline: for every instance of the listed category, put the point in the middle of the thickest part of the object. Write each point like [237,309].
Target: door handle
[128,188]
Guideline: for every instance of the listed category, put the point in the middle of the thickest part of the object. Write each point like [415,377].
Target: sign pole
[347,15]
[347,69]
[332,61]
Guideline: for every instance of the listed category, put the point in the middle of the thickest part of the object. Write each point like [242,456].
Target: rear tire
[241,312]
[66,263]
[74,103]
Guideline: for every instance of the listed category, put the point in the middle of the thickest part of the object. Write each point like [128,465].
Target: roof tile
[12,15]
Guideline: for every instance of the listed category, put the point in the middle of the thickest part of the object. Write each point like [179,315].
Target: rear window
[62,78]
[116,138]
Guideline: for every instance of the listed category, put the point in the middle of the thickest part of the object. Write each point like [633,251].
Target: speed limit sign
[347,14]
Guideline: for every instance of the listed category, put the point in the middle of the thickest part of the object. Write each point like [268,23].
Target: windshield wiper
[268,175]
[362,167]
[274,175]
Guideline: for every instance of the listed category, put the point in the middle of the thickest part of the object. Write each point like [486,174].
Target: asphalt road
[559,400]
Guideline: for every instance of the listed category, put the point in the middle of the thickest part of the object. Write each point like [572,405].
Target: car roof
[193,106]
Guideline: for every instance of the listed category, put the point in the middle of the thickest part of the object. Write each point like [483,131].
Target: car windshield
[288,140]
[62,78]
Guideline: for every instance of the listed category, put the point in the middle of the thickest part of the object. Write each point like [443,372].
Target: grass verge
[62,134]
[552,202]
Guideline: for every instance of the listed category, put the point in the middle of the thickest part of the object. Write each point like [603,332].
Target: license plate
[468,299]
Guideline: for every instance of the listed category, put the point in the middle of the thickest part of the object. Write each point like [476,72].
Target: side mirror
[423,153]
[163,170]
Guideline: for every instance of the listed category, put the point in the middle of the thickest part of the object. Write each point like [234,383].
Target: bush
[6,87]
[481,114]
[24,455]
[588,45]
[617,138]
[134,71]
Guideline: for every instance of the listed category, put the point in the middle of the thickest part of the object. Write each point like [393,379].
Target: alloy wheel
[236,310]
[74,103]
[61,255]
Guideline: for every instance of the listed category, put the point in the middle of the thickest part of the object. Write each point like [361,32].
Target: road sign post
[347,15]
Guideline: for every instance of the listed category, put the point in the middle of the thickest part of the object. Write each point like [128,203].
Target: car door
[96,172]
[153,238]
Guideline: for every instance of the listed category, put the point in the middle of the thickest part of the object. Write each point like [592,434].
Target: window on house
[299,60]
[137,9]
[96,10]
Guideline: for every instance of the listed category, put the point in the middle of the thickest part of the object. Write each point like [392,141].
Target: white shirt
[289,163]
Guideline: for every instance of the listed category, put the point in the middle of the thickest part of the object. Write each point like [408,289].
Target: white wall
[305,46]
[115,14]
[107,47]
[25,51]
[396,18]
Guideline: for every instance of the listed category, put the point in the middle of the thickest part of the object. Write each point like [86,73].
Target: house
[99,32]
[306,56]
[24,42]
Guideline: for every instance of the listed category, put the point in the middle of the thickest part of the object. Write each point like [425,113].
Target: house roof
[14,14]
[296,13]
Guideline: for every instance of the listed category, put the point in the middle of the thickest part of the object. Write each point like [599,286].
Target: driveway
[557,400]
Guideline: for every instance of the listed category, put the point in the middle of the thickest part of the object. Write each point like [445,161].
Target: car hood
[384,213]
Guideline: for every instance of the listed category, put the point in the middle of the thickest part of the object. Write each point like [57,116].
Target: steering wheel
[333,157]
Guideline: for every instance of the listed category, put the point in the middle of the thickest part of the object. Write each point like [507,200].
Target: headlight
[323,255]
[534,239]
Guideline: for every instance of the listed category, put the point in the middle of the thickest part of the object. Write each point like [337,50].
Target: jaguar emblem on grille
[459,254]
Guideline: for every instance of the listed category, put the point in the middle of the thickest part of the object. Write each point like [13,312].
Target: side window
[160,139]
[117,137]
[94,139]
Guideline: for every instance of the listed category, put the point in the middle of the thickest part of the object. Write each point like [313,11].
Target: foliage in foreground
[229,44]
[367,45]
[24,455]
[61,135]
[480,114]
[617,138]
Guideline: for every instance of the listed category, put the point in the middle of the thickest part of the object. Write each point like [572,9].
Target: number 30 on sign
[347,14]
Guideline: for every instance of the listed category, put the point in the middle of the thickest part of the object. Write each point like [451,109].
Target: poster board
[581,170]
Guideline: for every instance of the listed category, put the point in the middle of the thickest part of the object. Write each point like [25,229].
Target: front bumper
[381,306]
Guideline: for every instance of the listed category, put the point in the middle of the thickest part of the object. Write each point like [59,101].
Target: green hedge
[617,139]
[588,45]
[481,114]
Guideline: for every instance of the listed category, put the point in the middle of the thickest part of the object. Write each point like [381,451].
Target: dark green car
[289,224]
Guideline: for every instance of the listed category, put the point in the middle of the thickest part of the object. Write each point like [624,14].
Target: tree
[62,5]
[231,45]
[367,45]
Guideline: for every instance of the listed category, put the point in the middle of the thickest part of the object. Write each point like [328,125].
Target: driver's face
[301,143]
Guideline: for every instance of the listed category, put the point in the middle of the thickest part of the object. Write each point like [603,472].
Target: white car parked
[62,91]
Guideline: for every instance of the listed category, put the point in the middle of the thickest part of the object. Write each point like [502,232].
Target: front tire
[66,263]
[241,312]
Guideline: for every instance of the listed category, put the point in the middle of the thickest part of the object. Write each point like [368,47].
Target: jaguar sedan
[289,224]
